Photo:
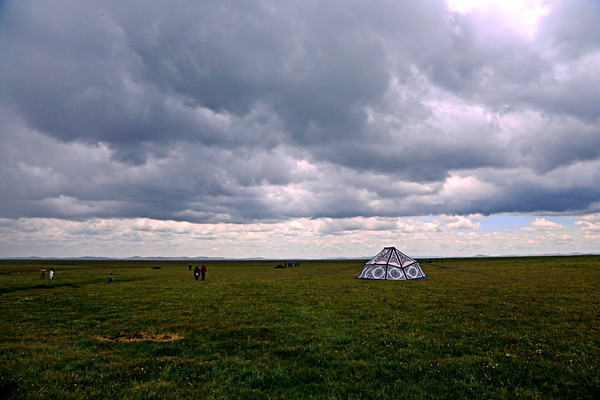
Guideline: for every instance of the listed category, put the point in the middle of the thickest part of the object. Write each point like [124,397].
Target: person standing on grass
[190,267]
[51,273]
[197,272]
[203,271]
[110,278]
[43,271]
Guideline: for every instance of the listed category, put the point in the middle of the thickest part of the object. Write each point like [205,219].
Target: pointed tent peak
[392,264]
[393,256]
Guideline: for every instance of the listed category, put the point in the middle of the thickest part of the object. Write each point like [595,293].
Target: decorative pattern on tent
[392,264]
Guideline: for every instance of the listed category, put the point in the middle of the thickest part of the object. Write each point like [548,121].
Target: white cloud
[542,224]
[463,223]
[589,223]
[350,237]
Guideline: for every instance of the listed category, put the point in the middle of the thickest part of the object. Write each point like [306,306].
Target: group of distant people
[198,271]
[50,272]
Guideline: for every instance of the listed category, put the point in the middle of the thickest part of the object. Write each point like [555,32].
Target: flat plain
[477,328]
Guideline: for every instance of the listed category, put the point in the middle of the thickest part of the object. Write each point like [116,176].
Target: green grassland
[479,328]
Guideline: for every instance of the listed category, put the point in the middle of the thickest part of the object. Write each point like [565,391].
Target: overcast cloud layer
[270,112]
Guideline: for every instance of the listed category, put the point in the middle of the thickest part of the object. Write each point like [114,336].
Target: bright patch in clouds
[459,187]
[521,15]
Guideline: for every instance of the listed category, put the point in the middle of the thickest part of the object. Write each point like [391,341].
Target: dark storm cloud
[240,111]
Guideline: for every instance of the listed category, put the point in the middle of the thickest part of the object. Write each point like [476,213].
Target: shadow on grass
[40,286]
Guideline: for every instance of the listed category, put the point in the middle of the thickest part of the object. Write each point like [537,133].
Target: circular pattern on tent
[411,272]
[378,272]
[394,273]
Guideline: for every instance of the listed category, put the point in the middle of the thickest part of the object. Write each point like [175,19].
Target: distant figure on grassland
[197,272]
[190,267]
[51,273]
[43,271]
[110,278]
[203,270]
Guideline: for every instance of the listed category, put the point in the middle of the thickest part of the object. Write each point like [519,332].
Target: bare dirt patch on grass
[137,337]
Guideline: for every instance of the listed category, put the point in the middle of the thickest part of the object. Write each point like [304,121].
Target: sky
[299,129]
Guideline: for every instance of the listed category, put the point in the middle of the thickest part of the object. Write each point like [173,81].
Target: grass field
[480,328]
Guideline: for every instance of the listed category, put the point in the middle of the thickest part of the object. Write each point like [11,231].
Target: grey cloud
[202,110]
[342,226]
[572,28]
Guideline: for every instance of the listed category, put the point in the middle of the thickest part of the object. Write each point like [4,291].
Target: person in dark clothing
[203,271]
[110,278]
[43,271]
[197,272]
[190,267]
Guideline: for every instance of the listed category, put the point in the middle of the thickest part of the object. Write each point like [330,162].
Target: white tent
[392,264]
